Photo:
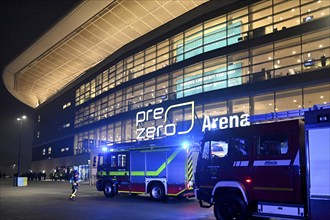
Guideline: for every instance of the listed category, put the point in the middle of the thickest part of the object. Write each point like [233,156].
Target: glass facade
[269,61]
[276,101]
[249,22]
[100,99]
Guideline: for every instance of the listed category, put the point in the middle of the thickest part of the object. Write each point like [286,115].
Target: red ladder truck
[278,169]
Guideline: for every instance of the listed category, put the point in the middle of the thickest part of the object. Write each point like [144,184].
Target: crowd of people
[34,176]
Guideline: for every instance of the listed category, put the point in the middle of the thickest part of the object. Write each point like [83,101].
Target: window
[239,147]
[219,148]
[272,145]
[113,161]
[49,150]
[44,151]
[215,149]
[121,160]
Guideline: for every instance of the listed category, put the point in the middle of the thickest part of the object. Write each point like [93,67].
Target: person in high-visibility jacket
[74,183]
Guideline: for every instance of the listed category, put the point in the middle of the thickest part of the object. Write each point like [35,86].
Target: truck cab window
[219,148]
[121,160]
[272,145]
[206,150]
[101,160]
[113,161]
[239,147]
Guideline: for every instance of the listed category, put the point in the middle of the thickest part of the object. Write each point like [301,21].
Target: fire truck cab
[263,170]
[160,171]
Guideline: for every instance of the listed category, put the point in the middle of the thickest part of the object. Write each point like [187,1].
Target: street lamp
[19,144]
[14,170]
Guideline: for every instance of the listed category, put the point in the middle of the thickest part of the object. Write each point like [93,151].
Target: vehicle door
[272,168]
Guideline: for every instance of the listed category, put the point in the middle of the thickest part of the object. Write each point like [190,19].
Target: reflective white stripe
[258,163]
[241,163]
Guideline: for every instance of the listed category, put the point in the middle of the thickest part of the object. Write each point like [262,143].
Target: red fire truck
[278,169]
[160,171]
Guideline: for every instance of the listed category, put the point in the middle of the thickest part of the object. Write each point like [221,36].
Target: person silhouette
[74,183]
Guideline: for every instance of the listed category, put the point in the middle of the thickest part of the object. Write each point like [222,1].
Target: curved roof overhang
[84,37]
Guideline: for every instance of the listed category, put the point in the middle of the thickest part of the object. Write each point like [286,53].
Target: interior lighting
[321,96]
[269,58]
[293,10]
[104,149]
[294,101]
[294,52]
[320,46]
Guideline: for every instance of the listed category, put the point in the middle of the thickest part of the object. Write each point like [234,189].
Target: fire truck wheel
[108,190]
[230,207]
[157,192]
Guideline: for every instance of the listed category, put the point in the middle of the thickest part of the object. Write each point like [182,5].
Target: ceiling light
[294,100]
[321,96]
[320,46]
[293,52]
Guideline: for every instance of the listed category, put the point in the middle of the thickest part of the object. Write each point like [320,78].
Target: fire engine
[159,170]
[277,169]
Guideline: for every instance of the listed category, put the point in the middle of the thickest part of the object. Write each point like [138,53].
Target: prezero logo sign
[168,128]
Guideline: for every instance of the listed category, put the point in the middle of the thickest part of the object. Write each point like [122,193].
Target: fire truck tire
[157,192]
[230,207]
[108,190]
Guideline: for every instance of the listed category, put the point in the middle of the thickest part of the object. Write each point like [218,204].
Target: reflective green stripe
[141,173]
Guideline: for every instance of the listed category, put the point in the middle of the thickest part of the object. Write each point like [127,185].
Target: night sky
[22,23]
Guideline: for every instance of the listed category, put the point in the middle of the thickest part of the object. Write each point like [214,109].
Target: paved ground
[49,200]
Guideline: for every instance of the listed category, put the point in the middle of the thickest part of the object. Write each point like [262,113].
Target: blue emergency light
[185,145]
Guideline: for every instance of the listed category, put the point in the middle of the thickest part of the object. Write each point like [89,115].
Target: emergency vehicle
[160,171]
[274,170]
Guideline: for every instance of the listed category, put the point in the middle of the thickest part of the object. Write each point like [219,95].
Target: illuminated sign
[225,122]
[169,128]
